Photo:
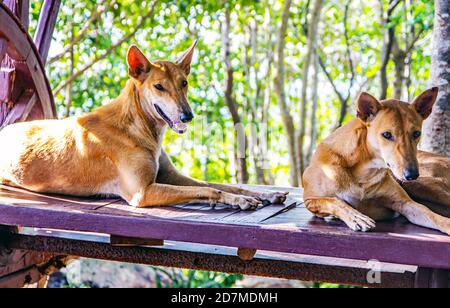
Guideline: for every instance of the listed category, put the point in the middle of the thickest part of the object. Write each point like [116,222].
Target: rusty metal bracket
[213,260]
[123,241]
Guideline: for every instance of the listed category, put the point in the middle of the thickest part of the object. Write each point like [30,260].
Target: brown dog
[355,173]
[116,149]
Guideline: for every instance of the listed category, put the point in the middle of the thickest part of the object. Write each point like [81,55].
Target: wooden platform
[275,230]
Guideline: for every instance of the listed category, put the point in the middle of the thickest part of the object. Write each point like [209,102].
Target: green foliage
[193,279]
[205,153]
[320,285]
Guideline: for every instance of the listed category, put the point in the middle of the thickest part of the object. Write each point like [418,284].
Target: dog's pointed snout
[411,174]
[186,117]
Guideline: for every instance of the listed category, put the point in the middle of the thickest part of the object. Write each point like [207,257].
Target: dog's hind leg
[434,190]
[397,199]
[169,175]
[325,207]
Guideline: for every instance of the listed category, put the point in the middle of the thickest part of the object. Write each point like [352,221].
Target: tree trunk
[280,91]
[69,89]
[313,114]
[388,42]
[399,57]
[313,27]
[241,150]
[437,127]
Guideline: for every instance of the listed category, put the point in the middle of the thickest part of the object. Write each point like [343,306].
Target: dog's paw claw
[274,198]
[361,223]
[248,203]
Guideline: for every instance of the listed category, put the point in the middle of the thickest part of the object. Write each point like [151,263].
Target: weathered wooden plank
[13,196]
[248,217]
[46,26]
[205,257]
[200,212]
[296,231]
[418,246]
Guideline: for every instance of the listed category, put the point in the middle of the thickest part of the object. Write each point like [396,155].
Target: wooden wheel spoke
[20,47]
[22,108]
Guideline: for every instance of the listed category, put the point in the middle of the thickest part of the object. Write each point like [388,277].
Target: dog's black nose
[411,174]
[186,117]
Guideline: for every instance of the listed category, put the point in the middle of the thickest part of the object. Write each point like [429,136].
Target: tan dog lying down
[365,170]
[116,149]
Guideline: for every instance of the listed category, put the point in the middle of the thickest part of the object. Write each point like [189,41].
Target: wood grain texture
[46,26]
[295,231]
[21,48]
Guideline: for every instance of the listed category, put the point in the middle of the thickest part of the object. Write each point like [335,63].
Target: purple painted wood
[295,231]
[21,109]
[46,26]
[7,70]
[19,8]
[22,47]
[3,47]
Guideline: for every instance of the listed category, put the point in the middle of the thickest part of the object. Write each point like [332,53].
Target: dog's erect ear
[425,102]
[368,107]
[186,59]
[138,64]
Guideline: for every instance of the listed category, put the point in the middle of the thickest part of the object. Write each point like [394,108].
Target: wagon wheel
[30,92]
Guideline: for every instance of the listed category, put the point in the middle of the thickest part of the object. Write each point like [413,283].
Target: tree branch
[108,51]
[392,6]
[414,41]
[98,11]
[330,79]
[349,52]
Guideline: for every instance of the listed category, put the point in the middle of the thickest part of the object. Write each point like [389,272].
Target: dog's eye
[159,87]
[388,136]
[417,135]
[184,84]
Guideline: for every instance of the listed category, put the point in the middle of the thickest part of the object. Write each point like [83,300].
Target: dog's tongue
[180,127]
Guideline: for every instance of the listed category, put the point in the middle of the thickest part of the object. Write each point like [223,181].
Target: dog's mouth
[177,126]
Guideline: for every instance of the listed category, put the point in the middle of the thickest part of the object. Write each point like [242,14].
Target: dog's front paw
[274,198]
[246,203]
[359,222]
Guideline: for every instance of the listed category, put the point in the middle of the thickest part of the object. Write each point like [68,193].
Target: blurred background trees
[271,78]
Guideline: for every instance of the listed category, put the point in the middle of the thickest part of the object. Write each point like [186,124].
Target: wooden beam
[46,26]
[124,241]
[223,260]
[21,109]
